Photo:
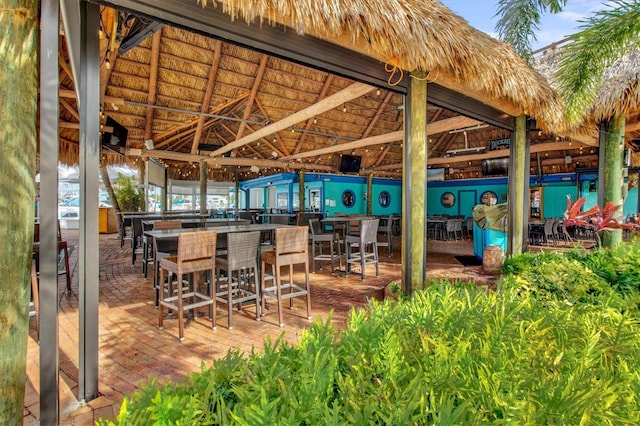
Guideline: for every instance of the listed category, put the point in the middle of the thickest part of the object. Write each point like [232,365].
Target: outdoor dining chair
[240,283]
[147,242]
[385,228]
[319,238]
[291,248]
[196,254]
[366,243]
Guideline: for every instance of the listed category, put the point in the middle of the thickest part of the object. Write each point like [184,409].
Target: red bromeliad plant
[595,219]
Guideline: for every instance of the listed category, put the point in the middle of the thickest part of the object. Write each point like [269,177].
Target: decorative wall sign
[348,198]
[448,199]
[384,199]
[496,144]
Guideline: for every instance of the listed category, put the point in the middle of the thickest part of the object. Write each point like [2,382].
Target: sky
[553,27]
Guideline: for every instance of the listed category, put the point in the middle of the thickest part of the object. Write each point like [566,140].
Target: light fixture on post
[149,145]
[567,159]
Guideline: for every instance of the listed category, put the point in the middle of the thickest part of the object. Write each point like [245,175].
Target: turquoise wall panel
[554,198]
[631,202]
[333,197]
[434,194]
[395,204]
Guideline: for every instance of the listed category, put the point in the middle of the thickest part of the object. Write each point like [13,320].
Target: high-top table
[166,240]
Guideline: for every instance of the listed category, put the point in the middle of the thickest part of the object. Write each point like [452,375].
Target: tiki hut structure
[275,85]
[191,94]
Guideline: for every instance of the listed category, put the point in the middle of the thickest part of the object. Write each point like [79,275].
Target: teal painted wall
[434,194]
[395,205]
[333,197]
[631,202]
[554,198]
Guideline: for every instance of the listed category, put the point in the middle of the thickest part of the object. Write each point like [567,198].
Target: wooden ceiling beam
[213,74]
[227,161]
[70,94]
[252,95]
[349,146]
[71,109]
[438,127]
[541,147]
[354,91]
[152,97]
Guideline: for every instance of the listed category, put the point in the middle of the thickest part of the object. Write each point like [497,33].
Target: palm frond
[519,19]
[603,38]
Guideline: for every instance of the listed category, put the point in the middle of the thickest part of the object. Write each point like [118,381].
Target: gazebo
[194,76]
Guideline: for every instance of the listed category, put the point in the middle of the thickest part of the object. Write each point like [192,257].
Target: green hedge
[453,354]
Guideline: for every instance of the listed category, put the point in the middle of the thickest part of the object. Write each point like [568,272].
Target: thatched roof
[181,89]
[415,35]
[619,93]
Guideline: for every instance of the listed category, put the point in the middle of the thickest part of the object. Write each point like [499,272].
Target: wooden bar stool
[196,253]
[291,248]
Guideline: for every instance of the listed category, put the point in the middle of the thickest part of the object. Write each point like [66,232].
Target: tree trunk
[18,114]
[112,195]
[612,189]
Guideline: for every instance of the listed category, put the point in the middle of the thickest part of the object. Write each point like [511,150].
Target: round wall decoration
[448,199]
[348,198]
[384,199]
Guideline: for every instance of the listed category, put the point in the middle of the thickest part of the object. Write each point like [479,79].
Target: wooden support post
[518,187]
[414,190]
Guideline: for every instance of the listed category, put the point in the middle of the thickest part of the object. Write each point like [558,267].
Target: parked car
[70,209]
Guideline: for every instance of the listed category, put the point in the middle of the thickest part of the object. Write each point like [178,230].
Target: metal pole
[203,188]
[49,136]
[89,99]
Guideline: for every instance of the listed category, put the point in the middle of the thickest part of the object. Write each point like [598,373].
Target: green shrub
[130,197]
[452,354]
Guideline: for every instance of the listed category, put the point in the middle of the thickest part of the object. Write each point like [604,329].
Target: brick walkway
[132,349]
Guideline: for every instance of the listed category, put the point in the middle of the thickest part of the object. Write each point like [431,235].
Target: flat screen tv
[495,166]
[116,138]
[350,164]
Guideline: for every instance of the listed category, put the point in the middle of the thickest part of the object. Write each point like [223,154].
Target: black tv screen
[116,138]
[495,166]
[350,164]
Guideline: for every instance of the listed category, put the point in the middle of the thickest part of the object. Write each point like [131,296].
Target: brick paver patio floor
[132,349]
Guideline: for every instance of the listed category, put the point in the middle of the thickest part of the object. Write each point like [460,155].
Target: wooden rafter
[252,95]
[252,149]
[213,73]
[434,128]
[174,130]
[230,161]
[153,83]
[307,126]
[354,91]
[70,108]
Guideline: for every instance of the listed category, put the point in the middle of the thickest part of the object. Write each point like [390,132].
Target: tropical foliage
[130,197]
[607,219]
[555,344]
[602,39]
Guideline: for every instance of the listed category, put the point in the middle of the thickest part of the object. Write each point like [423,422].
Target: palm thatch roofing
[618,94]
[193,95]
